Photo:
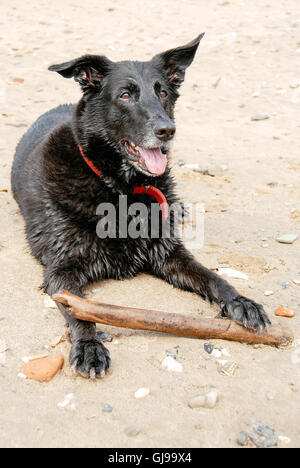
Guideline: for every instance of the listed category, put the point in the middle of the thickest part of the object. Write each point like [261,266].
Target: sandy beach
[248,179]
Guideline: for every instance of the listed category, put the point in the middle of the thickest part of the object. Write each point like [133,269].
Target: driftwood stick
[176,324]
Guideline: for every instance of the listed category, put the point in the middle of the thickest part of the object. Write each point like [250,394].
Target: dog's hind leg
[184,272]
[88,355]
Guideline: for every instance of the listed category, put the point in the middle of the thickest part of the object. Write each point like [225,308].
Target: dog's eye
[163,94]
[125,95]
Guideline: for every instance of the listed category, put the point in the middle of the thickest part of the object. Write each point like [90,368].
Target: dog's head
[131,104]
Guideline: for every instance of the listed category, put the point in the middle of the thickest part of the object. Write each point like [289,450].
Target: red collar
[149,190]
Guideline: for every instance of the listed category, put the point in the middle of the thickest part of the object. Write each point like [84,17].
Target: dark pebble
[208,348]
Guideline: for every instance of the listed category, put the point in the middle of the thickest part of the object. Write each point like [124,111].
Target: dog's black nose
[164,130]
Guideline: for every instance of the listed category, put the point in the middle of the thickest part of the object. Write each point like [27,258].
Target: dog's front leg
[88,355]
[184,272]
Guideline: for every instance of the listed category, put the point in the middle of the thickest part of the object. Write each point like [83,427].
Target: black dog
[75,157]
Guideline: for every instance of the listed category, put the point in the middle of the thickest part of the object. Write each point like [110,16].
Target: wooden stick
[176,324]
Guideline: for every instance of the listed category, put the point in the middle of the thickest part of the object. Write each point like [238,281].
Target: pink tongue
[155,160]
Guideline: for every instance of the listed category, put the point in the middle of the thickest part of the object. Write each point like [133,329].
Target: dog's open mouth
[152,160]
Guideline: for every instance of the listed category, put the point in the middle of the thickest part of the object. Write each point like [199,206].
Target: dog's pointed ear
[174,62]
[88,70]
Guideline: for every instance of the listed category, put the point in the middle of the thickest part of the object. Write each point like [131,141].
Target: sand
[247,64]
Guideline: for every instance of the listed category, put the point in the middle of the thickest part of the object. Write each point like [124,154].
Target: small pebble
[283,284]
[106,408]
[49,303]
[170,352]
[66,401]
[132,431]
[171,364]
[287,238]
[281,91]
[141,393]
[284,312]
[17,80]
[22,376]
[261,434]
[260,117]
[17,124]
[192,166]
[295,84]
[297,282]
[207,400]
[208,348]
[43,369]
[216,353]
[269,293]
[243,439]
[270,396]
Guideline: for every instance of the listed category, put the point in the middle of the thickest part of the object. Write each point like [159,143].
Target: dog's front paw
[90,358]
[245,312]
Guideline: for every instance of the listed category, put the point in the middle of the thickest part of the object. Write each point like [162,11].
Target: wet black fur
[58,194]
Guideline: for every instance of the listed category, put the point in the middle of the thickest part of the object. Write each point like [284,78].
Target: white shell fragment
[49,303]
[22,376]
[227,368]
[284,439]
[171,364]
[207,400]
[67,401]
[269,293]
[233,273]
[216,353]
[141,393]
